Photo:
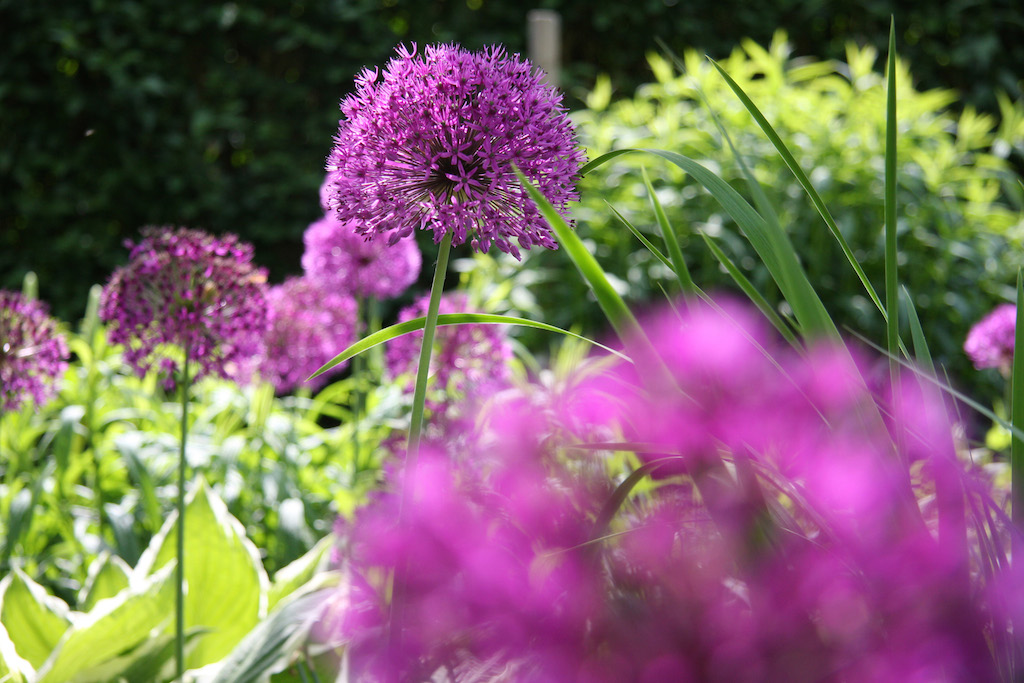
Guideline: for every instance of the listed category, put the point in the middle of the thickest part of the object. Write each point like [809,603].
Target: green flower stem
[416,429]
[359,399]
[179,611]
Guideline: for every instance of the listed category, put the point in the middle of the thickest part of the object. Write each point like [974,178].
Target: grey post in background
[544,42]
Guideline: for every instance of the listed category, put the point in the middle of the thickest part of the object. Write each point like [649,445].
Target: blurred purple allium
[431,142]
[346,262]
[990,342]
[189,289]
[788,543]
[309,325]
[468,359]
[32,352]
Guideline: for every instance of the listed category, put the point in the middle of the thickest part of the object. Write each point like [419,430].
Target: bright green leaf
[34,619]
[108,576]
[225,581]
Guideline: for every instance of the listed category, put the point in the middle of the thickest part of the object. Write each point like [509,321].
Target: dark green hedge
[120,113]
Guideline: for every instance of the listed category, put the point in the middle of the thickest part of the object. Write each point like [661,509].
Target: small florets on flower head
[308,326]
[189,289]
[344,261]
[990,342]
[467,358]
[32,353]
[431,143]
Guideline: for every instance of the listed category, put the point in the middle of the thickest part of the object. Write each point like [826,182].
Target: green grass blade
[891,280]
[397,330]
[643,239]
[669,235]
[771,244]
[608,299]
[801,177]
[1017,415]
[751,291]
[921,352]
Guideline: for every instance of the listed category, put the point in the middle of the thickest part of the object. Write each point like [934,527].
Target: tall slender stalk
[179,611]
[416,429]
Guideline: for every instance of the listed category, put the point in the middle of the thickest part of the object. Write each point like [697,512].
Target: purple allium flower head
[467,359]
[990,342]
[309,325]
[431,142]
[32,353]
[519,567]
[189,289]
[346,262]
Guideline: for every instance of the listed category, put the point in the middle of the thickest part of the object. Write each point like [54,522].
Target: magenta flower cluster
[188,289]
[990,342]
[309,325]
[343,261]
[431,143]
[783,540]
[468,359]
[32,352]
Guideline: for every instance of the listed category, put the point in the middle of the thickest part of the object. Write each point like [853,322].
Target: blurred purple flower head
[990,342]
[345,262]
[189,289]
[431,143]
[309,325]
[788,544]
[32,353]
[468,359]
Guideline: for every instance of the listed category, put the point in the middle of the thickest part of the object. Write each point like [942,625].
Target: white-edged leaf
[13,669]
[34,619]
[226,585]
[270,647]
[115,627]
[108,576]
[290,577]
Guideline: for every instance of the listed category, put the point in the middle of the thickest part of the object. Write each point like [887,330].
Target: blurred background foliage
[116,114]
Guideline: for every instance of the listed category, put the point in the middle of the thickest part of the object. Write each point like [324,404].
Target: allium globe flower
[467,359]
[32,353]
[990,342]
[808,558]
[309,325]
[431,143]
[189,289]
[344,261]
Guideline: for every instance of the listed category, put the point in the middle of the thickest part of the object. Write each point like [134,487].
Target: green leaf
[397,330]
[289,578]
[270,646]
[226,584]
[669,235]
[803,180]
[108,576]
[608,299]
[117,626]
[34,619]
[13,669]
[891,276]
[749,289]
[921,353]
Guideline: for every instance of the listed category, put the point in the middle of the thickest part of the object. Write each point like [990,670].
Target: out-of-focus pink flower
[990,342]
[32,353]
[345,262]
[468,359]
[309,325]
[788,542]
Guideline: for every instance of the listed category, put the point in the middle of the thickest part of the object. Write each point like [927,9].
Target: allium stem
[179,630]
[416,428]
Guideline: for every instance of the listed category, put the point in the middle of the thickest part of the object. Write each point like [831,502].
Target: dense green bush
[960,227]
[119,114]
